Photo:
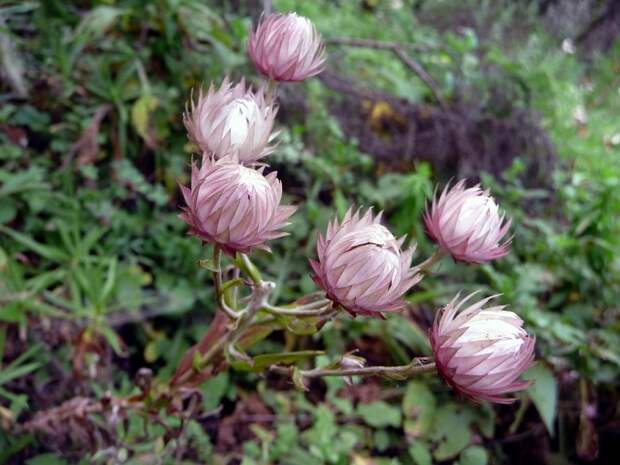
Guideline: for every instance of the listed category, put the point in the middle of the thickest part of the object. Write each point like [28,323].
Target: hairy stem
[271,90]
[319,308]
[416,367]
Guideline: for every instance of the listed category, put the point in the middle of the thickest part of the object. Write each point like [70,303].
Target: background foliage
[98,279]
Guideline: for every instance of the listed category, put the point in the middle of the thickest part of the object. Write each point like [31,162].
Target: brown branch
[398,50]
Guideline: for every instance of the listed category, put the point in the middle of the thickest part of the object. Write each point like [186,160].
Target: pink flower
[234,206]
[286,48]
[481,352]
[467,224]
[361,265]
[232,120]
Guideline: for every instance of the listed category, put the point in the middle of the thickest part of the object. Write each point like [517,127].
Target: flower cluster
[229,202]
[480,350]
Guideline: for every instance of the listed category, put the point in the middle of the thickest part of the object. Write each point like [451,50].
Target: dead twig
[398,50]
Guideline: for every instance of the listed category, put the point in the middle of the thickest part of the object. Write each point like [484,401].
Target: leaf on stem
[261,362]
[209,264]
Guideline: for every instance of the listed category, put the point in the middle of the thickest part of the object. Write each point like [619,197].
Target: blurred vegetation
[98,279]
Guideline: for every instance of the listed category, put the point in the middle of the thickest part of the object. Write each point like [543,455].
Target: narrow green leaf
[113,339]
[9,373]
[544,393]
[209,264]
[2,342]
[110,280]
[51,253]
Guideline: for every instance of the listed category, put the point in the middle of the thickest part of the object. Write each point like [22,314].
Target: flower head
[234,206]
[361,265]
[467,224]
[286,48]
[232,120]
[481,352]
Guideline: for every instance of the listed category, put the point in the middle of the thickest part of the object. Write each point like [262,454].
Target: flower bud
[286,48]
[232,120]
[351,362]
[361,266]
[234,206]
[467,224]
[481,352]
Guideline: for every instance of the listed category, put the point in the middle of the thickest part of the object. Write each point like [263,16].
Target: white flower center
[376,242]
[376,234]
[490,333]
[473,209]
[239,115]
[303,31]
[250,177]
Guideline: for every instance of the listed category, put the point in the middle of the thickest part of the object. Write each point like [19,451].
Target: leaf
[113,339]
[284,358]
[214,389]
[419,408]
[474,455]
[302,326]
[151,353]
[209,264]
[2,342]
[110,280]
[141,116]
[4,259]
[380,414]
[381,440]
[9,373]
[97,21]
[451,431]
[544,393]
[51,253]
[46,459]
[420,454]
[255,334]
[484,418]
[8,211]
[18,367]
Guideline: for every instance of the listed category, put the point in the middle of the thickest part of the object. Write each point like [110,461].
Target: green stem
[246,265]
[220,291]
[258,300]
[228,285]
